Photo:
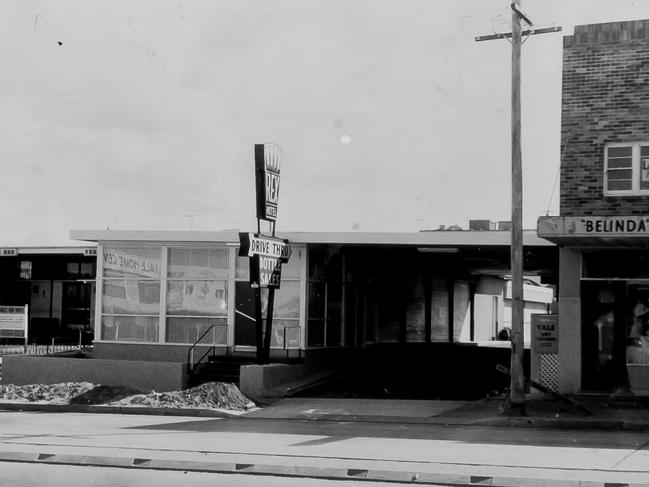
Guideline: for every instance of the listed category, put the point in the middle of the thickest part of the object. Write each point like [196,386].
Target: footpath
[541,411]
[351,439]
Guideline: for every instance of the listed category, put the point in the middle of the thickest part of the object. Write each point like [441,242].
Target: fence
[34,349]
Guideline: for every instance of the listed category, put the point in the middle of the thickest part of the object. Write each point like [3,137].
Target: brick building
[603,227]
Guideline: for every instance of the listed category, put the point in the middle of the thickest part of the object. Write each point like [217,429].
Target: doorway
[605,318]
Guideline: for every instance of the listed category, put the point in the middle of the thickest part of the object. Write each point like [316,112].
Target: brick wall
[605,100]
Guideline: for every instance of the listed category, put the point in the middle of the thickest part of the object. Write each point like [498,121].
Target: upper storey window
[626,169]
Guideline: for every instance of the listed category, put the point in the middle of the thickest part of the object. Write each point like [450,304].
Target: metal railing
[45,348]
[191,364]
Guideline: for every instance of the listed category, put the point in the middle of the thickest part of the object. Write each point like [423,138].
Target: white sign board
[13,322]
[269,247]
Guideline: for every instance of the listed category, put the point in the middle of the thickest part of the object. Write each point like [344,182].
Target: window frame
[635,170]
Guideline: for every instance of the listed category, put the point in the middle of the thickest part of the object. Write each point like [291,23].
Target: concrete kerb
[95,409]
[325,473]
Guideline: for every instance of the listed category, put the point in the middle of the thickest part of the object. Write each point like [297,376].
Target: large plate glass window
[131,293]
[197,295]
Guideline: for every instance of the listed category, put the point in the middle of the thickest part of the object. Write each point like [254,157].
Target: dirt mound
[212,395]
[53,393]
[104,394]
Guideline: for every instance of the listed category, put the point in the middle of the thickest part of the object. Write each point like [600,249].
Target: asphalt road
[323,446]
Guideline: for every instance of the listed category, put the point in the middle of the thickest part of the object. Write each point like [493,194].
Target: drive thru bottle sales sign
[267,161]
[267,254]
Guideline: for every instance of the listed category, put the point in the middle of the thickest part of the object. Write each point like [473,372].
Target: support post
[259,324]
[517,387]
[516,403]
[269,324]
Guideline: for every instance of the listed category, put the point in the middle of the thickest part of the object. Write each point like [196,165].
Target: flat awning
[595,231]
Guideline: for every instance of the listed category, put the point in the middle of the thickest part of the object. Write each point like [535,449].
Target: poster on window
[120,262]
[197,298]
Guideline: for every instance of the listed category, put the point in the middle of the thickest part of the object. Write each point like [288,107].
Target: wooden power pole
[516,403]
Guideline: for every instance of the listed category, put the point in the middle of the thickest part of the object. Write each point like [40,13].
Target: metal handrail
[191,365]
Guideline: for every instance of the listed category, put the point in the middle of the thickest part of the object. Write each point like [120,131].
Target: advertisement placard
[545,333]
[266,257]
[13,322]
[267,163]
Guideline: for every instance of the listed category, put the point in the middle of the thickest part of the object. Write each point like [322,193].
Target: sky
[143,115]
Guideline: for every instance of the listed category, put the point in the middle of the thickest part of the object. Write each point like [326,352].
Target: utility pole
[516,403]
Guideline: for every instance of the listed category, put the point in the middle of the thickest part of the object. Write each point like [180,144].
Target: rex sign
[266,257]
[267,162]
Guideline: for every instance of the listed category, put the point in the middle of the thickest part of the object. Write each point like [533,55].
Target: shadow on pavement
[343,430]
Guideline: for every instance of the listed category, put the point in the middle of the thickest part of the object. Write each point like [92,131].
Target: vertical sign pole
[269,323]
[517,386]
[259,323]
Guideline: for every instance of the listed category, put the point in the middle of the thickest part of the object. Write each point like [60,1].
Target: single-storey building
[159,292]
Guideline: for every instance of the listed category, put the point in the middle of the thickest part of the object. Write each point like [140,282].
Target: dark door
[604,335]
[75,312]
[244,315]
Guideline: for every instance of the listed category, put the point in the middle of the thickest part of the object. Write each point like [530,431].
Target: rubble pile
[103,394]
[54,393]
[211,395]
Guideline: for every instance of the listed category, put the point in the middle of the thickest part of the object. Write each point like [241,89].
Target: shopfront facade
[603,225]
[159,292]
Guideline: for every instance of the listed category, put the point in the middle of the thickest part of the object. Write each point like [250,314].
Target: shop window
[189,330]
[626,169]
[130,328]
[87,269]
[286,329]
[198,264]
[131,290]
[73,269]
[197,295]
[137,297]
[197,298]
[25,269]
[132,263]
[242,269]
[325,300]
[77,270]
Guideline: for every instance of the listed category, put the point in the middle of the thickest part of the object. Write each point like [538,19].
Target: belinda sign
[593,226]
[615,225]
